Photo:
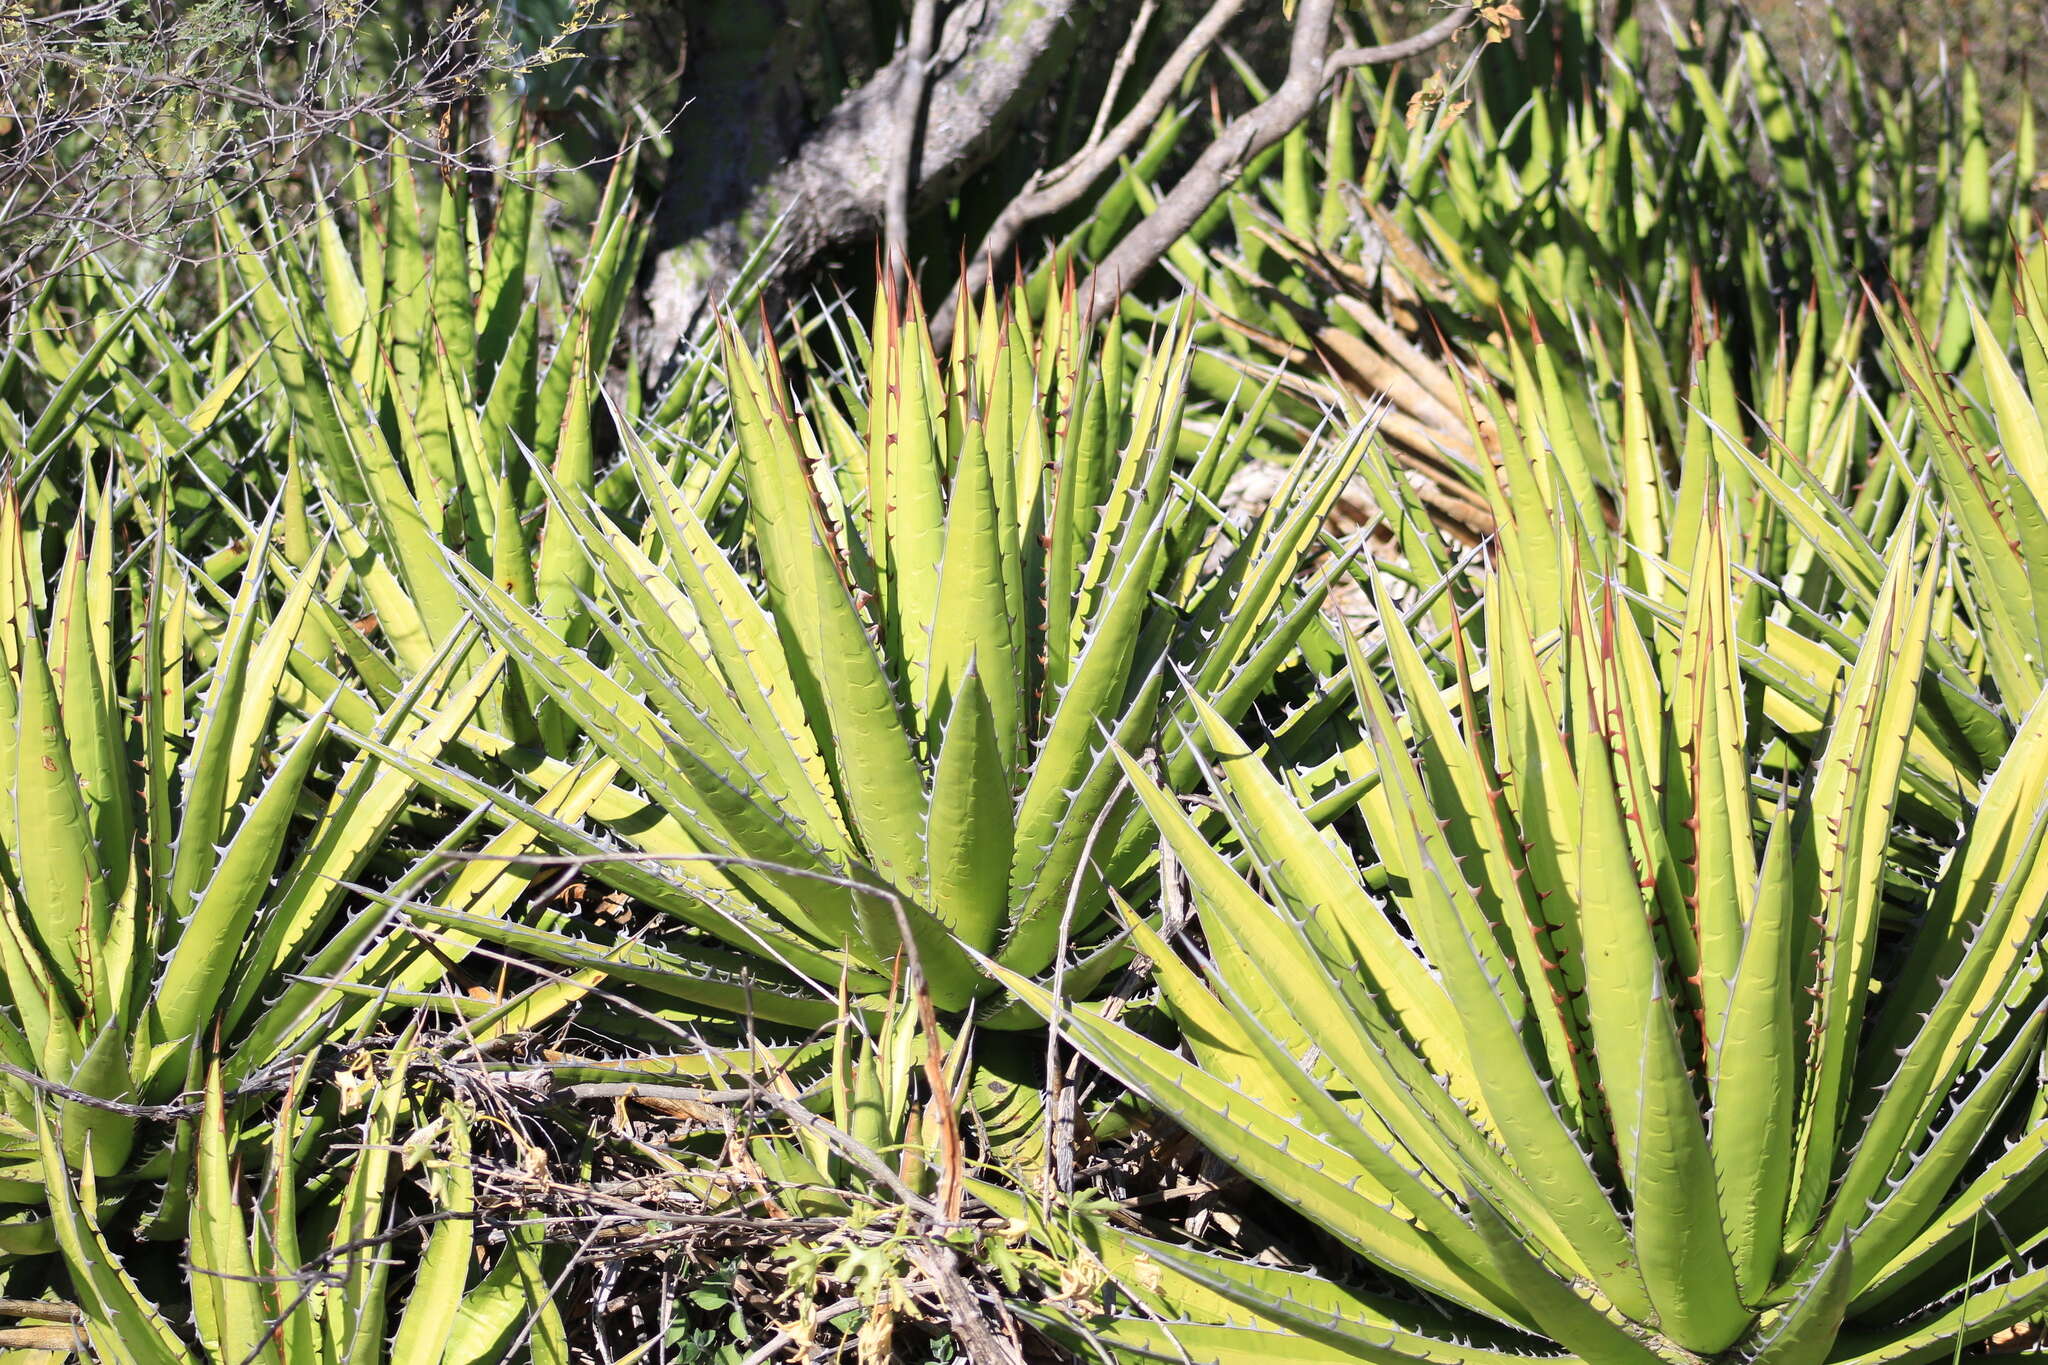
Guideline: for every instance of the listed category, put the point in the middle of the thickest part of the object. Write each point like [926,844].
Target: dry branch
[1061,187]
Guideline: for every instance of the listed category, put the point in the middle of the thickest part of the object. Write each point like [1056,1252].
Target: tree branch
[269,1081]
[910,98]
[41,1310]
[1436,35]
[1310,66]
[1051,191]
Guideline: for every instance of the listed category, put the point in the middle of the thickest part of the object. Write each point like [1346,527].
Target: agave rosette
[1592,1040]
[973,580]
[184,842]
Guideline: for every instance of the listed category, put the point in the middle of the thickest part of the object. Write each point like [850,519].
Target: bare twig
[738,1229]
[907,136]
[951,1162]
[1118,73]
[121,121]
[40,1310]
[786,1335]
[65,1339]
[1059,1109]
[636,1090]
[1435,36]
[269,1082]
[1310,66]
[853,1151]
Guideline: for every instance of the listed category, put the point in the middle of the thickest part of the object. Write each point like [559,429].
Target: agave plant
[974,579]
[179,849]
[1962,444]
[1597,1041]
[96,363]
[416,398]
[1983,438]
[1818,479]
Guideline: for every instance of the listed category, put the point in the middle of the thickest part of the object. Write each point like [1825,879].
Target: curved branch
[1435,36]
[1059,188]
[917,63]
[1121,70]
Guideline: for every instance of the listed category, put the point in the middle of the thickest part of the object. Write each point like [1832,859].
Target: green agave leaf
[1074,742]
[707,788]
[671,879]
[1978,1312]
[821,627]
[1547,1152]
[123,1325]
[57,865]
[1313,1176]
[2000,520]
[227,1300]
[82,652]
[1556,1306]
[971,628]
[1208,1343]
[968,838]
[514,1298]
[200,960]
[709,628]
[1804,1332]
[1953,1141]
[1317,1313]
[366,802]
[1848,816]
[1324,893]
[734,985]
[1755,1085]
[435,1299]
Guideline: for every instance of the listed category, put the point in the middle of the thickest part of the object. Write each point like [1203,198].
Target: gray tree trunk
[993,60]
[739,112]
